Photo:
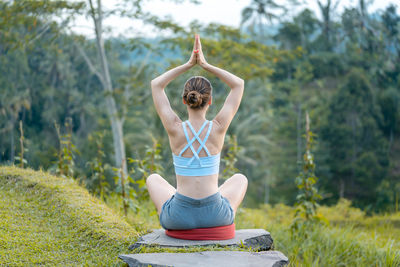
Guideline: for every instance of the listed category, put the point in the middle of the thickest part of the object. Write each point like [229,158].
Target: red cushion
[209,233]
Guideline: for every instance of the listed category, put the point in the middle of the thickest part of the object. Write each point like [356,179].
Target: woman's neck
[197,115]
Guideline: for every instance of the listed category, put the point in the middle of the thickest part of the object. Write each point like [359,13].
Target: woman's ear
[210,101]
[183,100]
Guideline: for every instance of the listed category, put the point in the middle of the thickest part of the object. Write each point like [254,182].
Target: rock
[208,258]
[255,238]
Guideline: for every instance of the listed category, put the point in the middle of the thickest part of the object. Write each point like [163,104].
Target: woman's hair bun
[197,92]
[194,99]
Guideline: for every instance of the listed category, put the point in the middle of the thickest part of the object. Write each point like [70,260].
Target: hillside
[47,220]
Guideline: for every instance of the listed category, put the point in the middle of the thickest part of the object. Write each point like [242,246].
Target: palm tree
[260,10]
[327,11]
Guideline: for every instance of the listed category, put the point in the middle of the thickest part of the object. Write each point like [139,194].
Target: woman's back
[201,185]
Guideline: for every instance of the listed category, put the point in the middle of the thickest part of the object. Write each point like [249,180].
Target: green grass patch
[47,220]
[381,229]
[335,244]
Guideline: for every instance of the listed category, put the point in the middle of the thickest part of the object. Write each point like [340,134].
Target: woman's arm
[232,101]
[230,79]
[160,99]
[164,79]
[168,117]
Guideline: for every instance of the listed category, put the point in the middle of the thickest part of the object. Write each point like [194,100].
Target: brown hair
[197,91]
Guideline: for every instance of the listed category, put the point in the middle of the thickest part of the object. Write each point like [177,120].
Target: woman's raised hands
[200,56]
[197,56]
[193,57]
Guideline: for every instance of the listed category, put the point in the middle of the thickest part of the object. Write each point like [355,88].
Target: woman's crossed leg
[234,189]
[159,190]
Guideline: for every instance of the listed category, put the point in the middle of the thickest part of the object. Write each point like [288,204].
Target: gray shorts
[183,212]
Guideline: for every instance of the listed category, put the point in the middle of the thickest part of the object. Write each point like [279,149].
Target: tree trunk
[390,142]
[326,22]
[298,109]
[266,197]
[341,188]
[116,122]
[1,150]
[12,154]
[354,147]
[21,142]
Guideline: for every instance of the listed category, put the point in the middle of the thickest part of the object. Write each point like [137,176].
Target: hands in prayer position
[197,56]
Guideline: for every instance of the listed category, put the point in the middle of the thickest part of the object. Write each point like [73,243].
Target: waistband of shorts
[198,201]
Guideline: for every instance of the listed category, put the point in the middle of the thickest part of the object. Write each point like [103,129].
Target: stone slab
[255,238]
[207,258]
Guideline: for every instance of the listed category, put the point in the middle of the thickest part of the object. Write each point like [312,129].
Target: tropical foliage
[342,68]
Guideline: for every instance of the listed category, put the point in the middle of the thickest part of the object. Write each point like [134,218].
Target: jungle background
[94,94]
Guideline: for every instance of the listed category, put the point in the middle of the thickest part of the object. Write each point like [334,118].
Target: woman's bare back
[197,186]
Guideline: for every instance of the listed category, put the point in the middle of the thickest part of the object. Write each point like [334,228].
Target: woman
[196,144]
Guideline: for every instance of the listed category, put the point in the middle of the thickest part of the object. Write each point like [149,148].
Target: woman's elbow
[155,83]
[241,82]
[239,85]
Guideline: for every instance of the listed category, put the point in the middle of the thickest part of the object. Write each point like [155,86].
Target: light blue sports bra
[196,166]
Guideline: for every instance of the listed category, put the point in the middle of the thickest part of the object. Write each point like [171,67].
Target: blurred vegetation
[342,68]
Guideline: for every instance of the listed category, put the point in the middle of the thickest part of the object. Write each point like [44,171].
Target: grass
[47,220]
[383,230]
[340,243]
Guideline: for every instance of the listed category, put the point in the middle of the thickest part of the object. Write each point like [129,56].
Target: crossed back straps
[196,136]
